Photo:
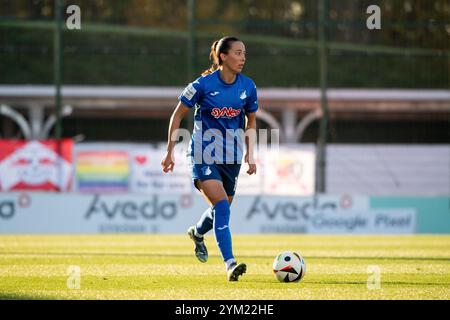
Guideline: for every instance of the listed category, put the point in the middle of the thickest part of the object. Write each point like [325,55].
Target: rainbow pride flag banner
[102,171]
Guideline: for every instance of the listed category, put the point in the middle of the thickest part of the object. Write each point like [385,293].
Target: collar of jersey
[220,79]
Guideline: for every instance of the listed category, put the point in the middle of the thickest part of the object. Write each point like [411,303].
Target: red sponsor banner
[36,165]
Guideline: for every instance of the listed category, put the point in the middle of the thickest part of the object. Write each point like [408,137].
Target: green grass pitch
[164,267]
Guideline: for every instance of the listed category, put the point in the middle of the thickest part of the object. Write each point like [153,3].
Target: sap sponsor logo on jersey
[132,210]
[225,112]
[189,92]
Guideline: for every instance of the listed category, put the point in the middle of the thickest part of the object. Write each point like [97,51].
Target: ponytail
[213,57]
[218,47]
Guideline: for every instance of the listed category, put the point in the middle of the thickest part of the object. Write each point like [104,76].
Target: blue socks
[205,223]
[221,212]
[219,218]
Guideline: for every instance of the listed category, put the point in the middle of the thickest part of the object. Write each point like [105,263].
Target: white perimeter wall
[388,169]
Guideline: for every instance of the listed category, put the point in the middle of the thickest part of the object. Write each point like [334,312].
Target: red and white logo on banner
[35,165]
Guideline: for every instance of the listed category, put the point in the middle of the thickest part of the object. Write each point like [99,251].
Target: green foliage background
[145,42]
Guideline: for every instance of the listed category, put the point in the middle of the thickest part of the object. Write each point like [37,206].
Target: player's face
[235,59]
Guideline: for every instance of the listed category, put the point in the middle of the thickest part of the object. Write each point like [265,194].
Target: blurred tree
[417,23]
[30,9]
[155,13]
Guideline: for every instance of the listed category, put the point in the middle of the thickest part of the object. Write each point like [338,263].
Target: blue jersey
[219,118]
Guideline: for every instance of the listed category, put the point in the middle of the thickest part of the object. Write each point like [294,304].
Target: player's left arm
[250,141]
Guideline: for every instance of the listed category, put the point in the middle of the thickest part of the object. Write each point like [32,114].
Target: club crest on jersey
[243,95]
[225,112]
[207,171]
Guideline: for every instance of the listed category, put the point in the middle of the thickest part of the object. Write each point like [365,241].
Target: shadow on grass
[21,296]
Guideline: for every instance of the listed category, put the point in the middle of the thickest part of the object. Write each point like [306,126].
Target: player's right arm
[190,96]
[178,114]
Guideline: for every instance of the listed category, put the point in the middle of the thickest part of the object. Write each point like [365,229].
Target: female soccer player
[222,97]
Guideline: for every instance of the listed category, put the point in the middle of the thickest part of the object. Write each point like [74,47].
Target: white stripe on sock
[229,262]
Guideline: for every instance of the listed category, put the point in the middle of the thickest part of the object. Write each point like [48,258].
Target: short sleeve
[252,101]
[192,94]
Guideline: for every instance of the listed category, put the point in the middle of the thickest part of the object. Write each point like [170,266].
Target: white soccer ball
[289,266]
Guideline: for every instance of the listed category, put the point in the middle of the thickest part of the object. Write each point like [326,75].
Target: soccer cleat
[200,249]
[235,270]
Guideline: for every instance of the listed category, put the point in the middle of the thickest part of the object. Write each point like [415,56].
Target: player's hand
[251,164]
[167,162]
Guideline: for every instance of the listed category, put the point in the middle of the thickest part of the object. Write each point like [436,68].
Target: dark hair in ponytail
[219,46]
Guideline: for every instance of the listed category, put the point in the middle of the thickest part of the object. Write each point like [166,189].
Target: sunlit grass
[164,267]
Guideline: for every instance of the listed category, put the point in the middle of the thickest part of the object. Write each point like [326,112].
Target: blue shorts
[227,173]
